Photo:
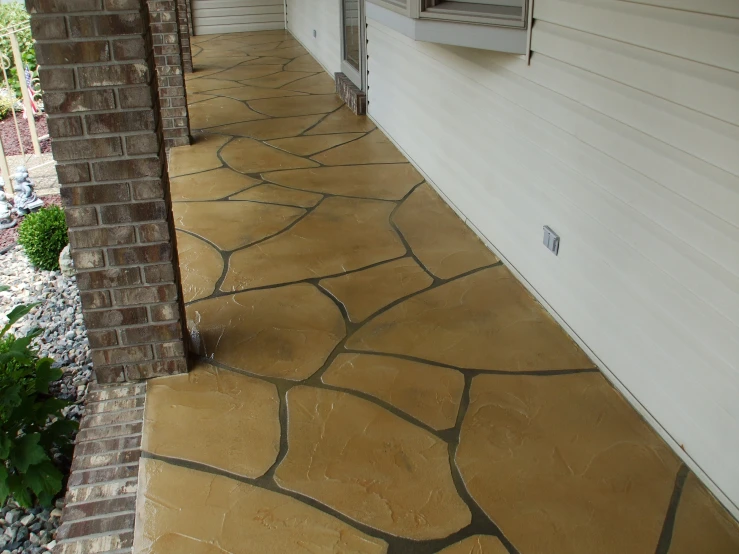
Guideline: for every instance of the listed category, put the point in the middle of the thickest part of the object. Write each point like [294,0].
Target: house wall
[323,16]
[622,135]
[236,16]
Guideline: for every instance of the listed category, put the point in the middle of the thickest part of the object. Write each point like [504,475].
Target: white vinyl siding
[323,16]
[623,136]
[236,16]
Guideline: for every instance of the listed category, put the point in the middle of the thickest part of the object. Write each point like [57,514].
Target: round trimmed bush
[43,235]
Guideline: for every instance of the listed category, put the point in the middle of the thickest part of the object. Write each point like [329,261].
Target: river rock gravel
[64,339]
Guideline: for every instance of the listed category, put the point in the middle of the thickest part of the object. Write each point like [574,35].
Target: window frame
[487,14]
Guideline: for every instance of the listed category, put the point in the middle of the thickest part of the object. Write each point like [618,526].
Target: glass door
[353,43]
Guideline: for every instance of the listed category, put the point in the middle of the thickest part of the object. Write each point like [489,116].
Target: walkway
[372,378]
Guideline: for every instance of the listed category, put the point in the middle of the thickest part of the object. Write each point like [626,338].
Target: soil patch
[9,136]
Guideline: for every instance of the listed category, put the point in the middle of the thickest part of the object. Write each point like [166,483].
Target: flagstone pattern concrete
[372,378]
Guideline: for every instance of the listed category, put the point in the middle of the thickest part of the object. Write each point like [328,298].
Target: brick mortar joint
[83,520]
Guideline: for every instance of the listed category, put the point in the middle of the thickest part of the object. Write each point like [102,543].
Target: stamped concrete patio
[372,378]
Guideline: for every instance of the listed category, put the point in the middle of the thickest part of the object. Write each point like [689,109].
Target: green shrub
[32,428]
[14,14]
[43,236]
[7,103]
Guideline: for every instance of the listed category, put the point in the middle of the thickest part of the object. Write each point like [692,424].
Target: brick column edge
[169,64]
[183,21]
[96,71]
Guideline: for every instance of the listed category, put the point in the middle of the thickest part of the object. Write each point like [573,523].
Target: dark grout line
[396,545]
[472,371]
[308,280]
[665,537]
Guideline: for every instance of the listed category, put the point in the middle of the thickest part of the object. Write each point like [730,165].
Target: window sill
[470,35]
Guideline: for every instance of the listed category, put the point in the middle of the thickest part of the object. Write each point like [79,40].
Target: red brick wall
[168,45]
[101,96]
[183,20]
[101,495]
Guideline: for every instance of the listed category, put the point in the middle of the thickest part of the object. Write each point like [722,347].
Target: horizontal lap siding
[623,136]
[235,16]
[323,16]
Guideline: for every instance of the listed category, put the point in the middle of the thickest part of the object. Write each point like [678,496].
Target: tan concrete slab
[448,247]
[267,49]
[286,332]
[214,417]
[199,97]
[246,92]
[559,464]
[278,79]
[564,464]
[309,145]
[250,156]
[304,63]
[321,83]
[218,515]
[243,72]
[429,393]
[485,321]
[343,121]
[266,129]
[374,148]
[383,181]
[478,544]
[370,465]
[215,61]
[364,292]
[287,53]
[274,194]
[207,84]
[220,111]
[232,225]
[202,155]
[209,185]
[340,235]
[201,266]
[702,524]
[297,105]
[265,59]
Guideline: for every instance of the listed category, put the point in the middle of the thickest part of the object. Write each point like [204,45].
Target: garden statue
[26,200]
[6,221]
[66,264]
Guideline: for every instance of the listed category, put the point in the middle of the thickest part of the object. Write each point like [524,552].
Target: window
[500,25]
[483,12]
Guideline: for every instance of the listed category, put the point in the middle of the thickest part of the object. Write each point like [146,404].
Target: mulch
[9,237]
[10,138]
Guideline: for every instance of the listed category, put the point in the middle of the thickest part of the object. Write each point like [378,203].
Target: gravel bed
[64,338]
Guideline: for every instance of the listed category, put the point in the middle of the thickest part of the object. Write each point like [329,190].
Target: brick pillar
[190,28]
[183,21]
[168,62]
[101,98]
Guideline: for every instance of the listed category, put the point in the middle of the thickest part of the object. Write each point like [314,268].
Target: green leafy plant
[43,236]
[14,14]
[32,428]
[7,103]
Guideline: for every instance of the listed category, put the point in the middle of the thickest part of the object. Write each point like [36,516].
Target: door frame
[359,78]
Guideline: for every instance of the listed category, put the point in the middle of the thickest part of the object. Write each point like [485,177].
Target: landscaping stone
[63,338]
[66,266]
